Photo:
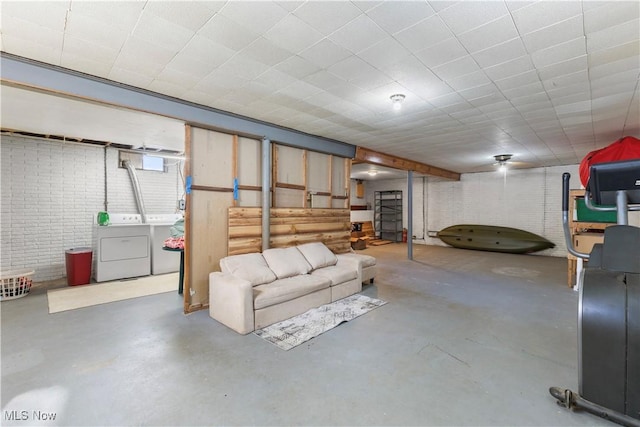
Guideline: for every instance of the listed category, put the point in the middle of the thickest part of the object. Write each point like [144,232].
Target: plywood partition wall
[289,227]
[215,160]
[310,199]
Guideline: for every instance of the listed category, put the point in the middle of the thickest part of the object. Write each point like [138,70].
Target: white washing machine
[162,261]
[122,249]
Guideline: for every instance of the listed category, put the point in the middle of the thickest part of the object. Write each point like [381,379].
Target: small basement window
[141,161]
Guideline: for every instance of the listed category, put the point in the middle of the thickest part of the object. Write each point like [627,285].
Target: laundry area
[121,216]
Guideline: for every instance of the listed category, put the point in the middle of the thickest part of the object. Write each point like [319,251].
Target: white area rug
[299,329]
[81,296]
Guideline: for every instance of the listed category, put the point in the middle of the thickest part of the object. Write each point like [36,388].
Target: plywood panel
[339,182]
[289,227]
[318,172]
[289,198]
[249,198]
[249,162]
[209,233]
[211,158]
[318,201]
[290,165]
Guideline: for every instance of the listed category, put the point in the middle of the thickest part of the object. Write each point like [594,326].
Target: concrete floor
[468,338]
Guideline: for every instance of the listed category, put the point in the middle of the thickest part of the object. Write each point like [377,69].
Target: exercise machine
[608,300]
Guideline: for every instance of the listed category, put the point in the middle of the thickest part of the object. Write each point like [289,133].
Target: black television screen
[605,179]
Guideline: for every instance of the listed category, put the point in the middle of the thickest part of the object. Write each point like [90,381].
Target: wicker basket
[14,284]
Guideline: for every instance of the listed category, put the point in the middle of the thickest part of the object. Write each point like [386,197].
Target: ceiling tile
[259,16]
[161,32]
[425,33]
[560,32]
[129,77]
[410,70]
[469,81]
[395,16]
[386,52]
[178,78]
[439,5]
[581,77]
[442,53]
[190,18]
[47,14]
[464,16]
[614,54]
[614,67]
[517,80]
[97,31]
[41,35]
[614,36]
[325,53]
[358,34]
[456,68]
[559,53]
[140,53]
[227,32]
[300,90]
[561,68]
[511,68]
[84,64]
[305,35]
[327,17]
[500,53]
[297,67]
[205,51]
[610,14]
[480,92]
[488,35]
[265,52]
[121,14]
[243,67]
[359,73]
[528,89]
[91,51]
[543,14]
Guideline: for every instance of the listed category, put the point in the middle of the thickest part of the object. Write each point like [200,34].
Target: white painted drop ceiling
[547,81]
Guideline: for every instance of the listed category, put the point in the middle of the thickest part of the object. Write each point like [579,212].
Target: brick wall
[51,192]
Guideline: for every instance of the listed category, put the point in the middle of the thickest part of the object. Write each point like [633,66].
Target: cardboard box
[584,242]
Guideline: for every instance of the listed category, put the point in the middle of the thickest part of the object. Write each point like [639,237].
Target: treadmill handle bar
[565,218]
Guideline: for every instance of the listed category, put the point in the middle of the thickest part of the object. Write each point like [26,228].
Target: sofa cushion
[287,289]
[365,260]
[250,267]
[337,274]
[318,255]
[286,262]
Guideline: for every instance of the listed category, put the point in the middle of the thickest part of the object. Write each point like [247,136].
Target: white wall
[51,192]
[529,199]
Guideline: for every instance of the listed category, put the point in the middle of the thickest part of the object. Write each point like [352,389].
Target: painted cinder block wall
[51,192]
[529,199]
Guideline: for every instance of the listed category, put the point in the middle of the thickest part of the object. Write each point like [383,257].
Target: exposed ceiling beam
[382,159]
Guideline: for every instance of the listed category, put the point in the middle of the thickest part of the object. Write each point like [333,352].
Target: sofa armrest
[231,301]
[351,263]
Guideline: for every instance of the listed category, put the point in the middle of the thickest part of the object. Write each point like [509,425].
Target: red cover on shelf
[625,148]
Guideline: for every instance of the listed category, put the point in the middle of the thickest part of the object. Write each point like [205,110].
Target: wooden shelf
[577,227]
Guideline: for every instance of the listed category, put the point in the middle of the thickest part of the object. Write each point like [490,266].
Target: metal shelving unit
[388,215]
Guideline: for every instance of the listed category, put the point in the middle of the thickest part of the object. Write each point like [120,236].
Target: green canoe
[493,238]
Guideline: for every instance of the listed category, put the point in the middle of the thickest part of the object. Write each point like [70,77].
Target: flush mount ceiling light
[502,160]
[397,100]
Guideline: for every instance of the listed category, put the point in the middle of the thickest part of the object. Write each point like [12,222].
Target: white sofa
[255,290]
[366,265]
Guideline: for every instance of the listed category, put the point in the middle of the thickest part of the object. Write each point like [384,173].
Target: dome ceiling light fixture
[397,100]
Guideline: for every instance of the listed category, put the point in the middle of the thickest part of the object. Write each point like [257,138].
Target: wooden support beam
[382,159]
[209,188]
[290,186]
